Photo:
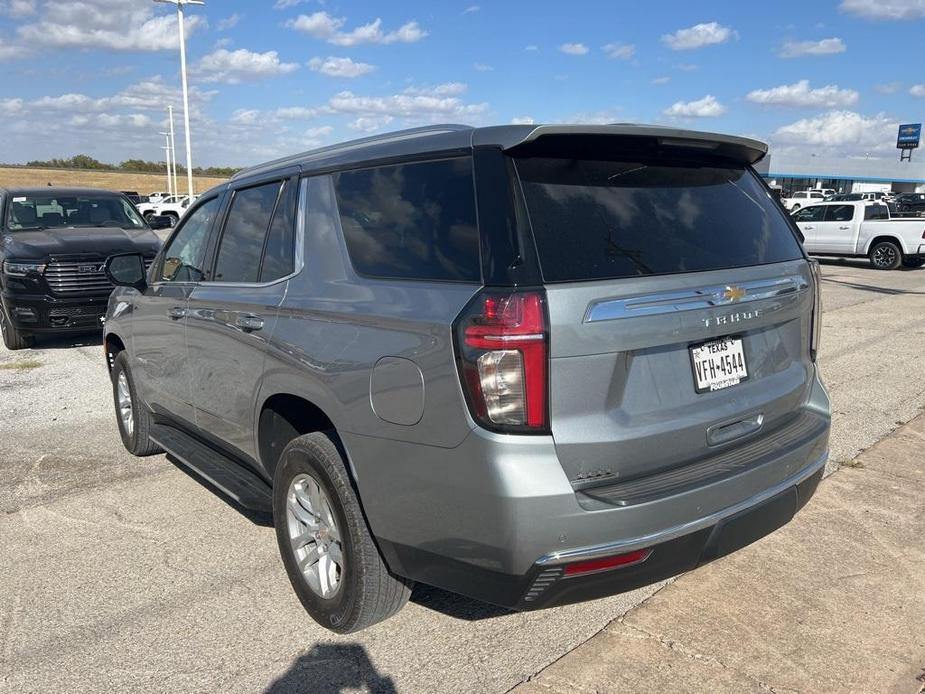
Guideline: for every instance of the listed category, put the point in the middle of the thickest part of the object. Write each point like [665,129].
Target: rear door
[679,303]
[835,233]
[232,315]
[160,317]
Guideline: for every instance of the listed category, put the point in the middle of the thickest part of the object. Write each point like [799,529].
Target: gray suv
[529,364]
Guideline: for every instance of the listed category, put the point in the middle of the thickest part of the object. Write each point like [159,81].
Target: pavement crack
[694,655]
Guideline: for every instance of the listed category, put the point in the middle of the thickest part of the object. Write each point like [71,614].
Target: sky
[276,77]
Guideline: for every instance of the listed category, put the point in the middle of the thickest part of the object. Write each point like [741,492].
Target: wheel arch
[884,237]
[112,346]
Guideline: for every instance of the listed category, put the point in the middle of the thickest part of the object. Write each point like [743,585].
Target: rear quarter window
[611,219]
[411,221]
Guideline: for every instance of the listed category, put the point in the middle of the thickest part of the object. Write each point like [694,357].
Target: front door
[232,316]
[159,319]
[808,220]
[834,232]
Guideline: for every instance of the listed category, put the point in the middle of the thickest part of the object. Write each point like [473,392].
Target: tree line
[83,161]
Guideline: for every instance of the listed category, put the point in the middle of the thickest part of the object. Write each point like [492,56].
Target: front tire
[13,339]
[134,420]
[886,255]
[333,564]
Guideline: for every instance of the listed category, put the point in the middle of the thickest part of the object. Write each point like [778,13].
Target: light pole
[170,189]
[189,154]
[173,151]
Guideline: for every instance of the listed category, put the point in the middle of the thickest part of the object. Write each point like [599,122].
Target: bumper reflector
[607,563]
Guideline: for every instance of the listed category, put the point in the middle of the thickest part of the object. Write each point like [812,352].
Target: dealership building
[793,173]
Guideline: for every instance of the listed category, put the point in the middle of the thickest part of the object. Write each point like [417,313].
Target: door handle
[249,323]
[809,228]
[176,313]
[844,228]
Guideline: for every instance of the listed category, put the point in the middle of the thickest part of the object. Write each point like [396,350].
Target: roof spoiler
[740,149]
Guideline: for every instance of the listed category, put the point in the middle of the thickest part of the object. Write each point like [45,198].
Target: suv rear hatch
[680,305]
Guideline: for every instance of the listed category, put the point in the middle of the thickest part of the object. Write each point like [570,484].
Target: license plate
[718,364]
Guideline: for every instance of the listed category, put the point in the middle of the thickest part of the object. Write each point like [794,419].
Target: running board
[242,485]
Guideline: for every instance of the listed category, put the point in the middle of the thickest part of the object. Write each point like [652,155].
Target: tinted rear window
[411,221]
[604,219]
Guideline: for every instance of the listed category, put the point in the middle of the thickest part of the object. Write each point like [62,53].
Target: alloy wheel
[124,397]
[314,536]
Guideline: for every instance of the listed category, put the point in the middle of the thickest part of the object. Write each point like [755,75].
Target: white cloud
[12,52]
[532,47]
[707,107]
[340,67]
[18,8]
[661,80]
[229,22]
[297,113]
[887,10]
[917,90]
[471,9]
[698,36]
[324,26]
[619,51]
[11,107]
[416,104]
[801,94]
[573,48]
[245,116]
[482,67]
[233,67]
[286,4]
[369,124]
[321,131]
[797,49]
[445,89]
[522,120]
[686,67]
[117,25]
[605,117]
[840,133]
[888,87]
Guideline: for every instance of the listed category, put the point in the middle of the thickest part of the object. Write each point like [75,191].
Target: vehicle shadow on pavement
[94,339]
[333,667]
[264,519]
[454,605]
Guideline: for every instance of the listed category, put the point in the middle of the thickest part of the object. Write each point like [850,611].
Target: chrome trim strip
[693,299]
[621,546]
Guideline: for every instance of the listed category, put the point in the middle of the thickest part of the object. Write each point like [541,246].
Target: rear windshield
[605,219]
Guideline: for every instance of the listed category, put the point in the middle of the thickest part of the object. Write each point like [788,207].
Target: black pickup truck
[53,242]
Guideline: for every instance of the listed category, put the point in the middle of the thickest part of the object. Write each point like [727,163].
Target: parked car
[844,197]
[801,199]
[862,229]
[134,197]
[172,207]
[528,364]
[910,203]
[157,196]
[53,242]
[823,191]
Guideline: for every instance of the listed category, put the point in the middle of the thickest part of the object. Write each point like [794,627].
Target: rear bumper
[37,313]
[497,519]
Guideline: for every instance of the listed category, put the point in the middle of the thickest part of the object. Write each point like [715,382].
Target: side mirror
[160,222]
[126,270]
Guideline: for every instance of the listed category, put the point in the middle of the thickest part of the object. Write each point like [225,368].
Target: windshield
[71,212]
[607,219]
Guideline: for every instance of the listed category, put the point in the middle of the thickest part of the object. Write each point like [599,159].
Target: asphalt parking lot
[129,575]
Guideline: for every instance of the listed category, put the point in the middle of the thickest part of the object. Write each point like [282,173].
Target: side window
[876,212]
[183,256]
[810,214]
[279,255]
[839,213]
[242,242]
[411,221]
[799,196]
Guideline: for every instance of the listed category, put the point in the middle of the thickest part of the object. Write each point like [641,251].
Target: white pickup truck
[852,229]
[172,206]
[802,198]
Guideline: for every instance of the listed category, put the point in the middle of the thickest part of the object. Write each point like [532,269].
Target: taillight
[502,342]
[817,309]
[594,566]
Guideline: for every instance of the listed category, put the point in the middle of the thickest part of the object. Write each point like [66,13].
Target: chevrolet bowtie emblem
[733,293]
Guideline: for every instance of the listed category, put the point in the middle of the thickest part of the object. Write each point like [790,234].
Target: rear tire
[913,262]
[343,584]
[174,219]
[13,339]
[886,255]
[134,419]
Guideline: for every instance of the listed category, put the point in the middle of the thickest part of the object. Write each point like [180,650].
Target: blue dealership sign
[909,135]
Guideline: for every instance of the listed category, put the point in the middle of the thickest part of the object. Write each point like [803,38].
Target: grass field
[111,180]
